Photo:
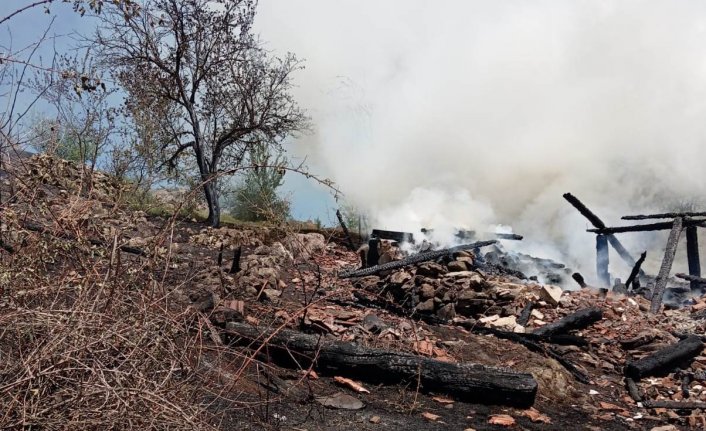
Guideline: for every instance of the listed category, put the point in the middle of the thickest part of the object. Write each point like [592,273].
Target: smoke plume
[478,113]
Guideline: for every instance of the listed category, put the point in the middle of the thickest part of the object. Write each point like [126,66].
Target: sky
[481,114]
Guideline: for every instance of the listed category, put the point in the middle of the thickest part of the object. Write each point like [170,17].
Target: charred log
[578,320]
[666,359]
[373,256]
[467,381]
[417,258]
[670,251]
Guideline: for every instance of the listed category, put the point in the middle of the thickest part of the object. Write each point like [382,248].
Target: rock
[456,266]
[375,419]
[427,305]
[467,260]
[665,428]
[507,323]
[339,400]
[430,269]
[426,291]
[537,314]
[304,245]
[367,283]
[271,294]
[447,312]
[400,277]
[551,294]
[489,319]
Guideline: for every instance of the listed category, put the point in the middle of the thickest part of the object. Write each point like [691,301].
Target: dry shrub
[95,350]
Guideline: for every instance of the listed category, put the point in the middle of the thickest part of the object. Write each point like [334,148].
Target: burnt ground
[289,279]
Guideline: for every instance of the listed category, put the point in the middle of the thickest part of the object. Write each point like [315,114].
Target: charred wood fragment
[525,314]
[472,382]
[633,390]
[578,278]
[666,359]
[578,320]
[349,240]
[635,271]
[400,237]
[235,266]
[373,252]
[666,267]
[417,258]
[220,255]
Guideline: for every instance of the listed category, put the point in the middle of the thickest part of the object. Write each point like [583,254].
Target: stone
[271,294]
[339,400]
[551,294]
[456,266]
[426,291]
[447,312]
[400,277]
[430,269]
[305,245]
[467,260]
[427,305]
[537,314]
[508,323]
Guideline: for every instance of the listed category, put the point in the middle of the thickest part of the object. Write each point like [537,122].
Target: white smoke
[472,113]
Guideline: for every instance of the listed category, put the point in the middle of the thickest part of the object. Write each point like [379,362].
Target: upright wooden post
[669,252]
[602,260]
[692,255]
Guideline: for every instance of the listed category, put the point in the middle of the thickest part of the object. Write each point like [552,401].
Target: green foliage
[255,198]
[64,142]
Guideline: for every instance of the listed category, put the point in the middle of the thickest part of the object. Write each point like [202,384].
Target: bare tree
[218,90]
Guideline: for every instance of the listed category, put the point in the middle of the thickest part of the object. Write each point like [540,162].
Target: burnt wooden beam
[598,224]
[467,381]
[349,240]
[583,209]
[602,260]
[633,390]
[578,278]
[578,320]
[663,215]
[666,359]
[648,227]
[666,267]
[692,254]
[635,270]
[417,258]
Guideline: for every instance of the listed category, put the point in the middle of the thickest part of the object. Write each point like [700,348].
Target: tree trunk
[214,209]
